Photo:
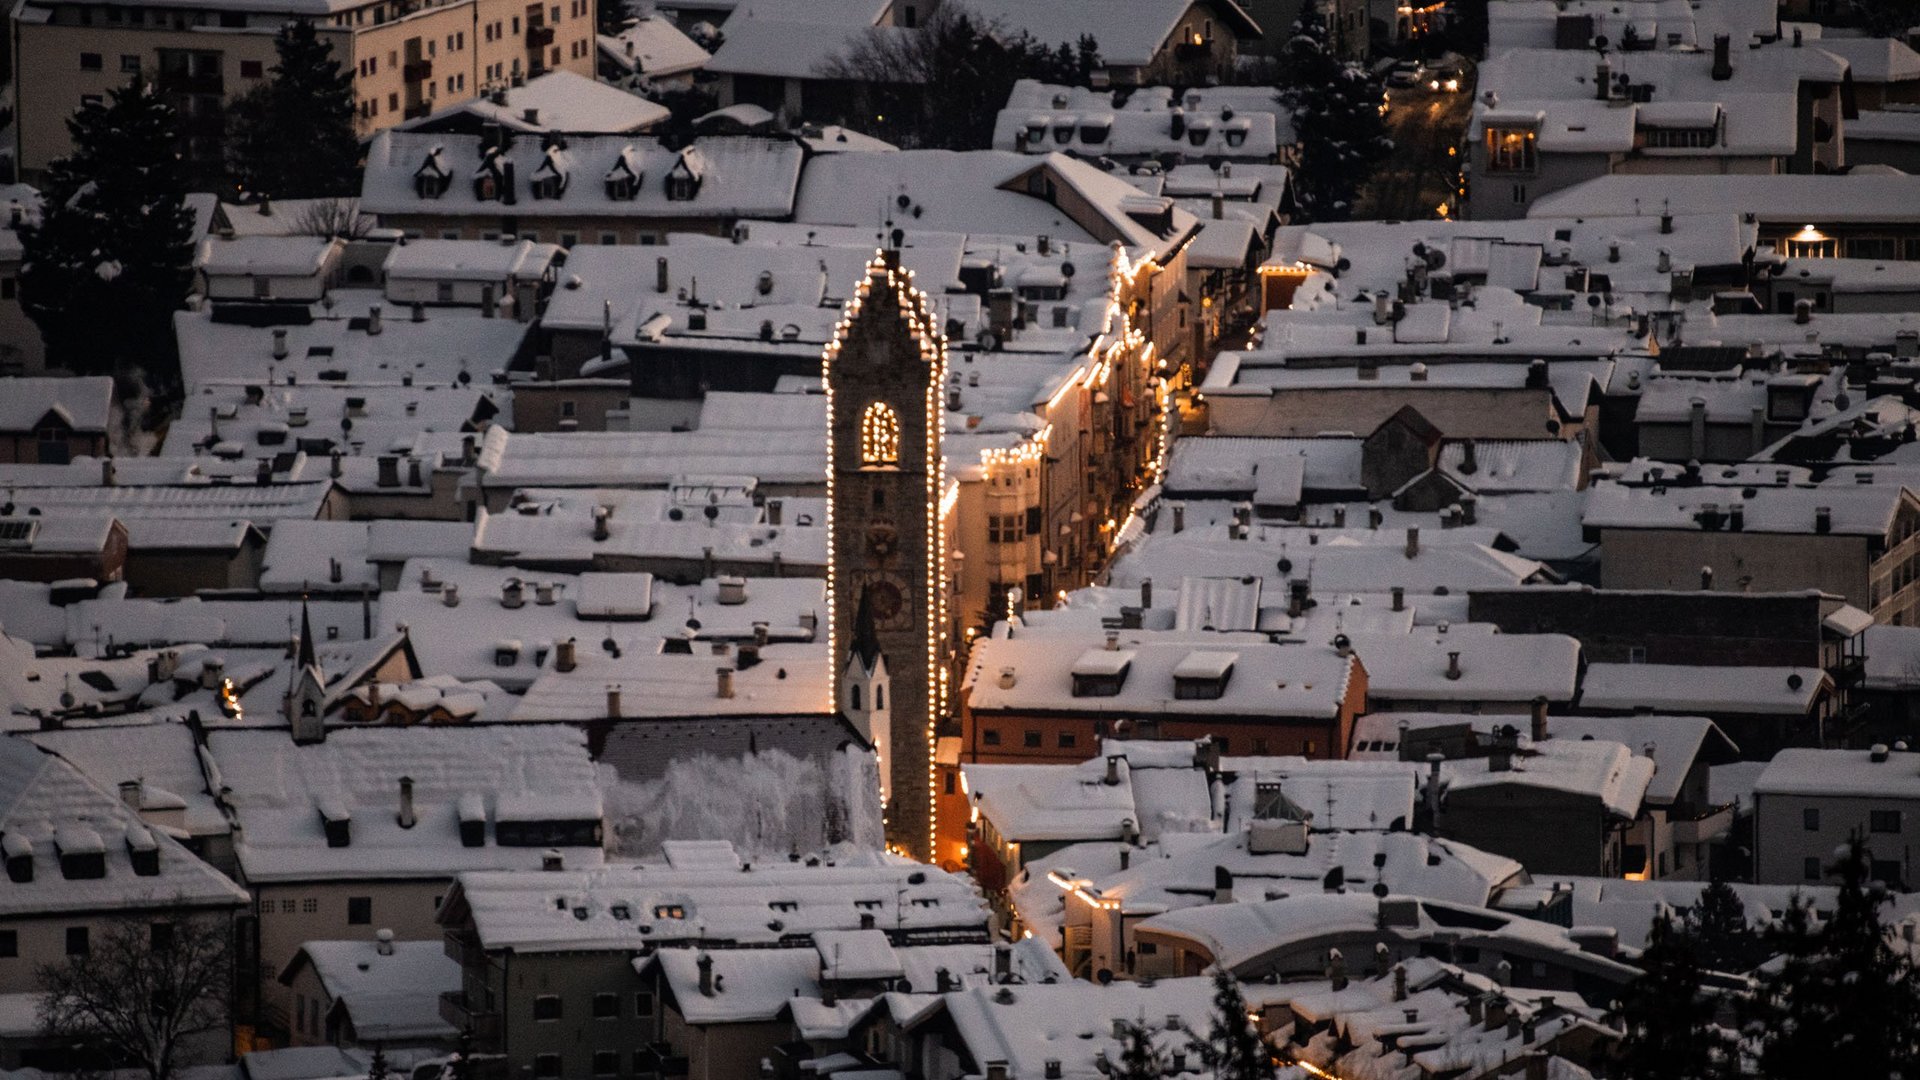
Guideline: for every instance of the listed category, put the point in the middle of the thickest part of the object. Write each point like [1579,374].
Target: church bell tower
[885,375]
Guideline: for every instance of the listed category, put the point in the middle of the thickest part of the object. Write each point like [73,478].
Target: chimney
[1382,308]
[263,472]
[1399,982]
[1537,375]
[1602,80]
[1337,969]
[338,469]
[543,593]
[389,466]
[776,511]
[383,942]
[601,517]
[1722,57]
[1222,885]
[1469,508]
[450,595]
[1665,262]
[1453,665]
[1706,577]
[1179,517]
[613,703]
[1666,216]
[335,572]
[419,312]
[406,818]
[132,793]
[1433,787]
[1399,593]
[705,963]
[279,343]
[1375,517]
[723,682]
[1113,641]
[1500,757]
[1113,769]
[1802,311]
[564,656]
[1413,542]
[1539,717]
[1823,519]
[1146,594]
[1339,517]
[373,321]
[1736,516]
[1469,457]
[551,861]
[513,594]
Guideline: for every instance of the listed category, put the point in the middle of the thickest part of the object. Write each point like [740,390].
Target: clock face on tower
[887,600]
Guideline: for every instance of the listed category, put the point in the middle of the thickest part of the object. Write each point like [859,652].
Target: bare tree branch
[144,989]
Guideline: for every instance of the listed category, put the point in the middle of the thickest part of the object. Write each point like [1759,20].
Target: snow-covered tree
[1336,121]
[1232,1048]
[1718,926]
[292,136]
[1667,1016]
[111,258]
[1842,997]
[1139,1060]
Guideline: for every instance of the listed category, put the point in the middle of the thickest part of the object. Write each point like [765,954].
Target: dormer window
[1101,672]
[1198,131]
[1037,130]
[669,911]
[486,187]
[1096,131]
[623,183]
[1203,675]
[431,179]
[550,186]
[1063,132]
[686,176]
[83,855]
[1236,136]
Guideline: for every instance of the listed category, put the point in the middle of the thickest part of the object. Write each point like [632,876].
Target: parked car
[1404,74]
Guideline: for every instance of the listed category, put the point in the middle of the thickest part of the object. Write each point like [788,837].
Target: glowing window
[879,435]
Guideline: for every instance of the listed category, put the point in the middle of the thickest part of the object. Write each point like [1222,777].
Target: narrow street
[1428,129]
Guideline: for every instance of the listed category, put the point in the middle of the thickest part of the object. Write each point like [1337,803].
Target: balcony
[1849,672]
[455,1010]
[1693,824]
[1193,52]
[417,71]
[538,36]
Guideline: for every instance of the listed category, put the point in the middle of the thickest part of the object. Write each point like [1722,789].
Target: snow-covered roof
[984,191]
[1776,198]
[1101,130]
[335,349]
[1304,681]
[1151,789]
[1841,774]
[1675,743]
[267,256]
[1130,42]
[745,176]
[1851,509]
[557,528]
[1605,771]
[48,809]
[469,260]
[631,906]
[84,403]
[1492,666]
[278,787]
[653,47]
[558,100]
[162,758]
[390,990]
[1684,689]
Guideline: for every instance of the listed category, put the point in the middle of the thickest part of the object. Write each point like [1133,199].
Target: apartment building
[408,57]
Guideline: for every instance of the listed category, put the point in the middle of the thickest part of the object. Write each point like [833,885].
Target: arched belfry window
[879,435]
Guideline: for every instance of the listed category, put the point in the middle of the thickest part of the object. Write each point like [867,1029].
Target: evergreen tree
[377,1068]
[292,136]
[1840,999]
[1666,1015]
[1718,926]
[1336,121]
[1139,1060]
[110,261]
[1232,1049]
[611,16]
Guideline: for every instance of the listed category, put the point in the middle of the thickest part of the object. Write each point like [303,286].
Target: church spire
[866,637]
[307,659]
